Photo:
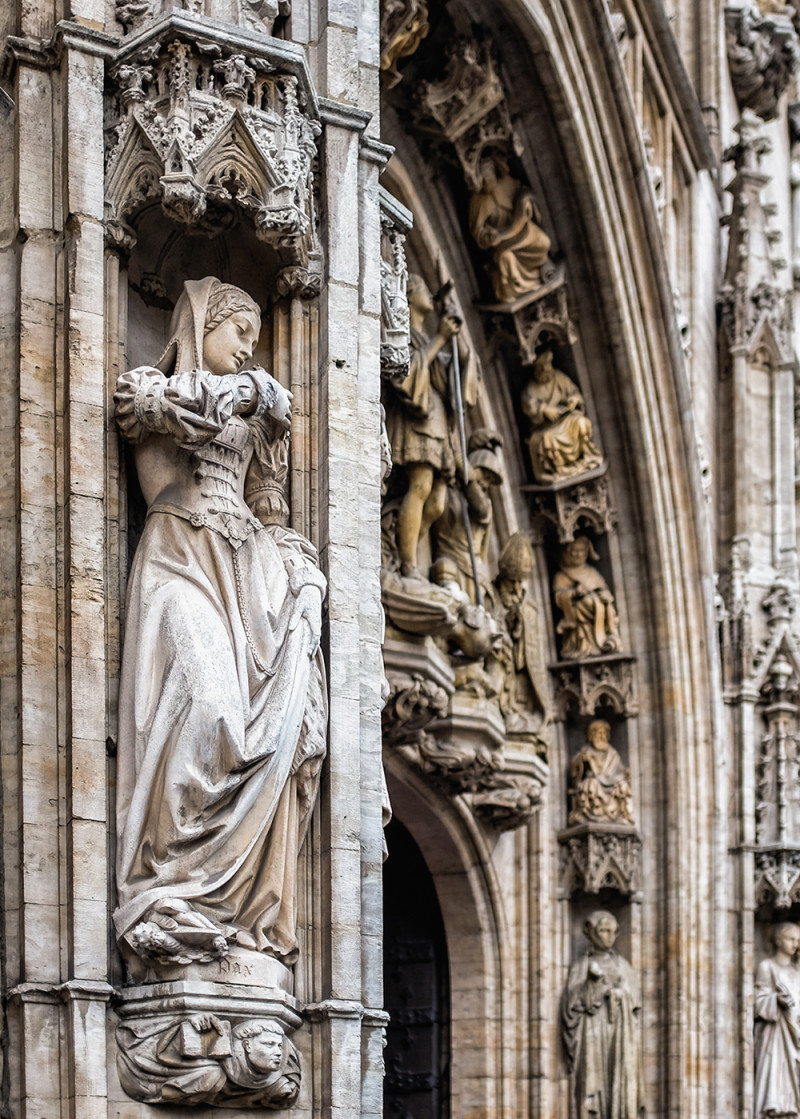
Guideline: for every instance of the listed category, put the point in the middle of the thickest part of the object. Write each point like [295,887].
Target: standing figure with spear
[426,415]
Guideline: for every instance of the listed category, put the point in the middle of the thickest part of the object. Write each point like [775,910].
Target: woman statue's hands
[281,410]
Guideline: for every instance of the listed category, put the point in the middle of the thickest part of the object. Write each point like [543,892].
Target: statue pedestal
[570,504]
[458,737]
[586,687]
[195,1041]
[595,857]
[241,966]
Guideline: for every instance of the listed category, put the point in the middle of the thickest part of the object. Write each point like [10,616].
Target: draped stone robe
[222,706]
[600,1029]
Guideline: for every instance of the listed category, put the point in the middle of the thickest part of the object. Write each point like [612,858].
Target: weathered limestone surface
[545,254]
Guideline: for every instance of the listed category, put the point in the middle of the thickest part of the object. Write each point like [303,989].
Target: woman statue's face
[787,939]
[228,346]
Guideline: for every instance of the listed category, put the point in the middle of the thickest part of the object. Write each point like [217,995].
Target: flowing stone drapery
[599,1019]
[222,701]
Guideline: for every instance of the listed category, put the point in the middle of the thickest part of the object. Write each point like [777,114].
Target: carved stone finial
[756,313]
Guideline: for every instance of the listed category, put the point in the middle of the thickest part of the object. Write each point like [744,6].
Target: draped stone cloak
[222,705]
[601,1037]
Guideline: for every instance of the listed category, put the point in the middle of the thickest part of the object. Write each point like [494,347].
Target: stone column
[759,587]
[54,748]
[348,1019]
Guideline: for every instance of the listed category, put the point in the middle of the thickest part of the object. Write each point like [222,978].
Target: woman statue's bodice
[193,448]
[205,484]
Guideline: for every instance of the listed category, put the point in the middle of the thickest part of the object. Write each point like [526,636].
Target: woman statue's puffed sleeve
[191,407]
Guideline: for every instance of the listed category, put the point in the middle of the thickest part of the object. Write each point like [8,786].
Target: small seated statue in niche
[601,784]
[560,443]
[207,1059]
[777,1028]
[222,704]
[600,1026]
[505,220]
[419,414]
[589,625]
[452,566]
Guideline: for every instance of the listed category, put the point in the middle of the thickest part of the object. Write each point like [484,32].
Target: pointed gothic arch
[581,149]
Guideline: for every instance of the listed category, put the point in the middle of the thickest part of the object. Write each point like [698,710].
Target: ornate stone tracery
[756,312]
[396,222]
[775,683]
[212,133]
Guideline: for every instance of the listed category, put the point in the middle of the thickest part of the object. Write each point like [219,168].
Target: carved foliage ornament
[258,15]
[210,136]
[457,744]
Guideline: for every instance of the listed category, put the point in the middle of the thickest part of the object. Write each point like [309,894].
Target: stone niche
[211,142]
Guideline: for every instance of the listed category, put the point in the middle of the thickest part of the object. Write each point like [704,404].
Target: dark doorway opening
[417,996]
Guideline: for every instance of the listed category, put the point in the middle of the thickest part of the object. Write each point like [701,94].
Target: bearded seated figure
[601,784]
[560,443]
[505,220]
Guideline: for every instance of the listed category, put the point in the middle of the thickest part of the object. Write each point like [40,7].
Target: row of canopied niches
[569,506]
[600,849]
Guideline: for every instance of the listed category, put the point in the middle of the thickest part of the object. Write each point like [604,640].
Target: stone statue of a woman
[777,1040]
[222,706]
